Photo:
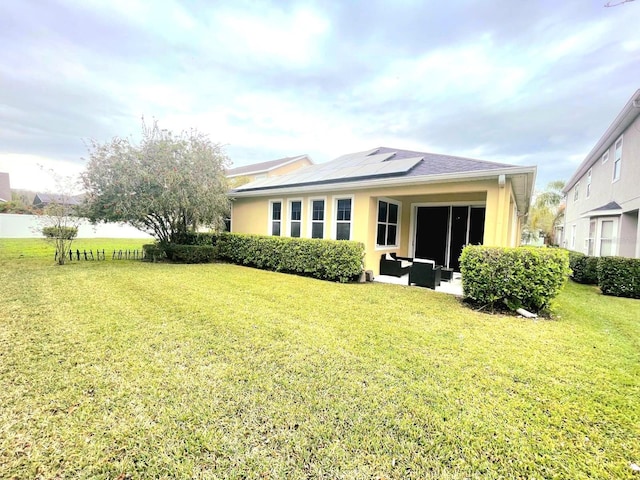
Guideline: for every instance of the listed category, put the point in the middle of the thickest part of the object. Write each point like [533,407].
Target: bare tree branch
[610,4]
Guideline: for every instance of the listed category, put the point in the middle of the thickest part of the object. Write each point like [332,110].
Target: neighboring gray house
[603,195]
[44,199]
[5,187]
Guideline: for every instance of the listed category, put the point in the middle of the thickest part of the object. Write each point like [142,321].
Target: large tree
[167,185]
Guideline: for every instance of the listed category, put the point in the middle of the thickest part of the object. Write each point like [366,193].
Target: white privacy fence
[30,226]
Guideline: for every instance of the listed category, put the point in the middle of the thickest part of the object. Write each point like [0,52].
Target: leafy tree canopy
[166,186]
[546,213]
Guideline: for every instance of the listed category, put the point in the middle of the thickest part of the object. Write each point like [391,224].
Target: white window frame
[399,205]
[617,160]
[614,236]
[588,190]
[576,192]
[270,217]
[335,220]
[574,229]
[311,221]
[290,220]
[605,157]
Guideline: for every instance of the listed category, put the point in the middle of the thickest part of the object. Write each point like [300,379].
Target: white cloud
[33,172]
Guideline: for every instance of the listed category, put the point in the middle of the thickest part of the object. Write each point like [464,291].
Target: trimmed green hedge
[619,276]
[153,252]
[191,253]
[584,268]
[180,253]
[197,238]
[335,260]
[66,233]
[523,277]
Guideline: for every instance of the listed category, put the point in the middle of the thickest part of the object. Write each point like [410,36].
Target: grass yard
[124,369]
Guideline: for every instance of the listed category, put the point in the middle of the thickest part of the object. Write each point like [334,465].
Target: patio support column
[497,214]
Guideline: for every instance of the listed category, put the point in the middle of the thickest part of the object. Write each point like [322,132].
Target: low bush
[335,260]
[619,276]
[523,277]
[584,268]
[191,253]
[197,238]
[153,252]
[66,233]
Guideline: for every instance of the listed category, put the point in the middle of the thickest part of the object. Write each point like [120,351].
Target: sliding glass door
[441,232]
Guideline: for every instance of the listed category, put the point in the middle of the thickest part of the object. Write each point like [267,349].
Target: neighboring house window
[275,217]
[617,160]
[606,238]
[573,236]
[295,218]
[588,183]
[576,192]
[605,157]
[343,219]
[591,245]
[387,223]
[317,218]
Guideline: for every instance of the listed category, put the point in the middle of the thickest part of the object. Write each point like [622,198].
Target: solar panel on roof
[363,164]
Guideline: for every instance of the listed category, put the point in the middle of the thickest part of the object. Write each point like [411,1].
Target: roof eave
[622,121]
[525,196]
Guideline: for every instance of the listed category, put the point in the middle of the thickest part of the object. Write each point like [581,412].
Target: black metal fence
[102,255]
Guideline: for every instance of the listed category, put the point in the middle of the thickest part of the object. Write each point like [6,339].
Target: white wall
[29,226]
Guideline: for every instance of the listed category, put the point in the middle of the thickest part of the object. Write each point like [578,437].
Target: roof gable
[263,167]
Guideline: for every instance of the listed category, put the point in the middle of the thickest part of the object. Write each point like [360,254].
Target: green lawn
[124,369]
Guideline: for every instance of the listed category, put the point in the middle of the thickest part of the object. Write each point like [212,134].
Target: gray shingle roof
[47,198]
[260,167]
[608,206]
[382,162]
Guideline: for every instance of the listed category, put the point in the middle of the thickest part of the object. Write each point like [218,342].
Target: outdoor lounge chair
[425,273]
[391,265]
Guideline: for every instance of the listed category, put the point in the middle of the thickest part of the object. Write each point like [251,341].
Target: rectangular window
[592,238]
[576,192]
[295,218]
[275,218]
[606,238]
[617,160]
[573,236]
[387,224]
[588,193]
[317,219]
[343,219]
[605,156]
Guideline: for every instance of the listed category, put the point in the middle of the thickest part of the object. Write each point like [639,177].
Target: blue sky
[527,83]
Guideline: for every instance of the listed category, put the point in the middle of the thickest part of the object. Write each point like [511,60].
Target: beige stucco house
[415,204]
[603,195]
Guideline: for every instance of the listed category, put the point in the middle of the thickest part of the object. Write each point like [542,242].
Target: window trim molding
[587,192]
[270,216]
[576,192]
[334,217]
[605,157]
[398,225]
[289,221]
[615,144]
[310,216]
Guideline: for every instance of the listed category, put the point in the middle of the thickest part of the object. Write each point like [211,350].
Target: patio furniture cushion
[425,274]
[389,265]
